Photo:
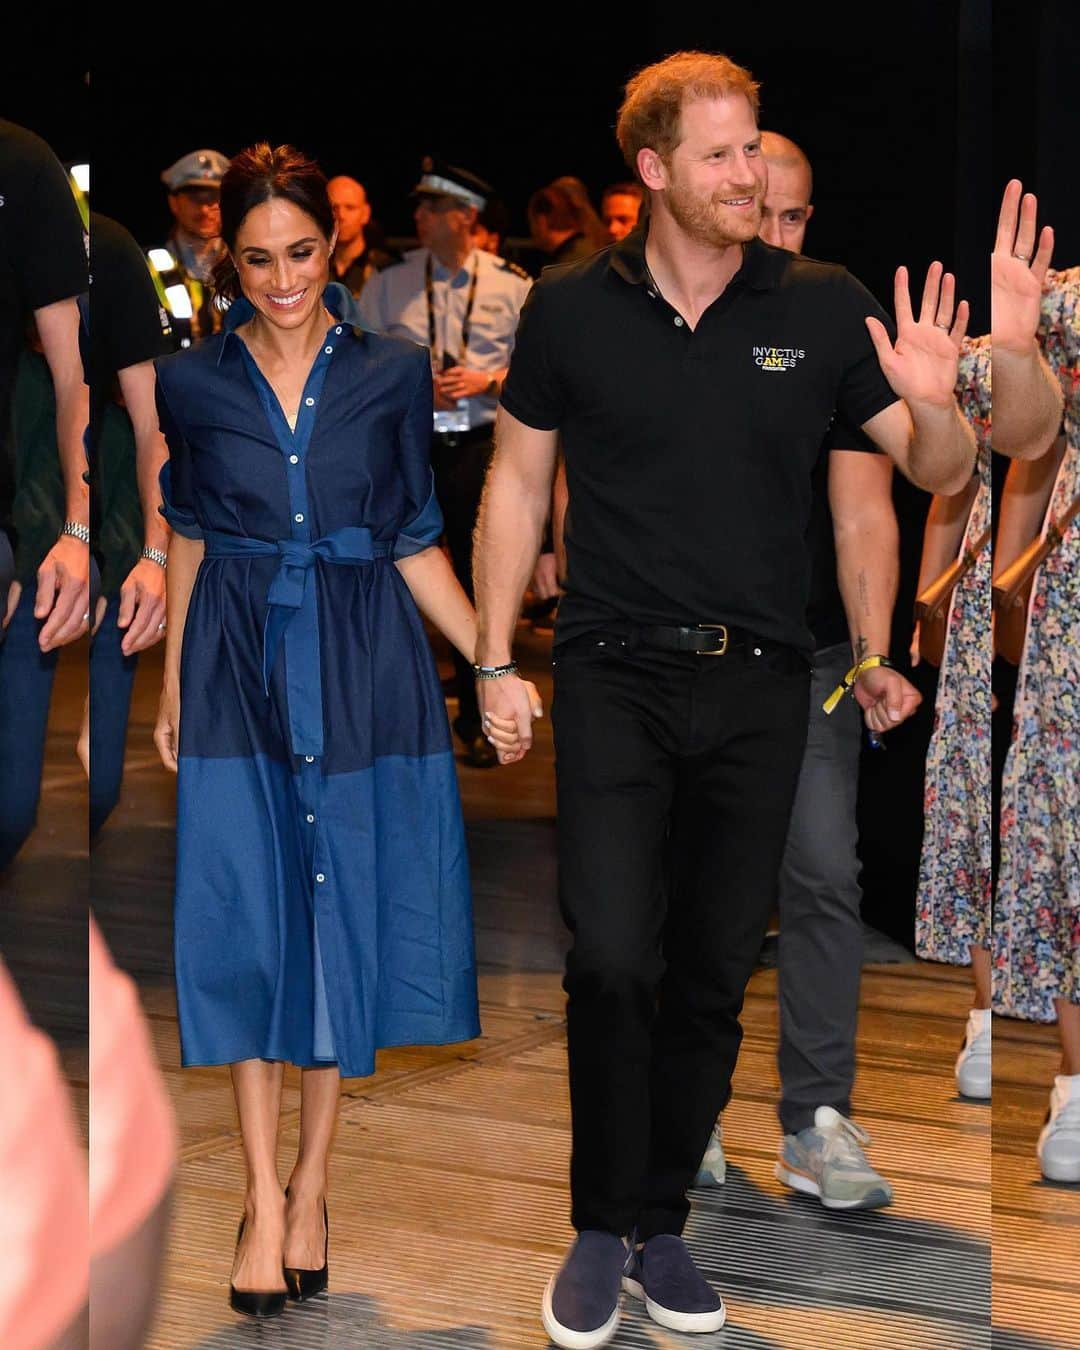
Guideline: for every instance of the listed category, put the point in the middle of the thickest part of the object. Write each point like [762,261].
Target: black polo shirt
[42,260]
[690,455]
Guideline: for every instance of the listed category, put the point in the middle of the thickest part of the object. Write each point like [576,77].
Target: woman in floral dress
[1037,910]
[955,886]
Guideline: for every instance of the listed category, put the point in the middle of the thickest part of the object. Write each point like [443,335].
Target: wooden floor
[449,1198]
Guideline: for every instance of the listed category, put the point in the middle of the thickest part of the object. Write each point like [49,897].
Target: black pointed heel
[254,1302]
[305,1284]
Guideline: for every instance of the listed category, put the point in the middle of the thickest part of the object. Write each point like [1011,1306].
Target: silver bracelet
[157,555]
[76,530]
[495,672]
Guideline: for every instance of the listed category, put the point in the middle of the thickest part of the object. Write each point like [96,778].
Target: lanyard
[466,324]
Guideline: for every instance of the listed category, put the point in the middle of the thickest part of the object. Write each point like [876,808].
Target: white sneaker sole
[798,1181]
[574,1340]
[676,1321]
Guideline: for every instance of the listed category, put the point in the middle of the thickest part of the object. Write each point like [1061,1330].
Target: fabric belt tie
[292,615]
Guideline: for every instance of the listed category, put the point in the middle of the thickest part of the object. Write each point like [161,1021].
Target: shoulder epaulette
[508,266]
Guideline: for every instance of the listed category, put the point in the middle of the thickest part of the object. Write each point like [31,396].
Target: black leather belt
[706,639]
[712,639]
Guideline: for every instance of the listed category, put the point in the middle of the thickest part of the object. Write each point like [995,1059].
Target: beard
[708,221]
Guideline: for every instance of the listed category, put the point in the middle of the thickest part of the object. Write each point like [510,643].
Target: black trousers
[675,777]
[460,465]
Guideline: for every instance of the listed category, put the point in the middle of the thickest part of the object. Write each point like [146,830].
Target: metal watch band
[495,672]
[157,555]
[77,530]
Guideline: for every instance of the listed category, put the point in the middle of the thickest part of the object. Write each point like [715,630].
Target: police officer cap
[439,179]
[202,168]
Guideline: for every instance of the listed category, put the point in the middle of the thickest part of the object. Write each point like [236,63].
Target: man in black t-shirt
[852,592]
[128,329]
[42,274]
[691,375]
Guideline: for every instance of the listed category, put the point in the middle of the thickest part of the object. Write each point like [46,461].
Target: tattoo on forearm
[861,646]
[864,594]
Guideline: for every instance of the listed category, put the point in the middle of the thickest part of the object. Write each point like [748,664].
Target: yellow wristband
[867,663]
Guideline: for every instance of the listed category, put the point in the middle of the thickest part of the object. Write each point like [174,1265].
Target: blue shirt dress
[322,890]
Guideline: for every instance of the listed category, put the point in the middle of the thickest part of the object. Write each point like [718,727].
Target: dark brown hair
[556,204]
[259,174]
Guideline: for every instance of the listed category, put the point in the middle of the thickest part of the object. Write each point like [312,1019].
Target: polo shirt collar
[337,298]
[760,270]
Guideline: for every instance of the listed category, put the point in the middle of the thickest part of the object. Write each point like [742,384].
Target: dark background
[914,116]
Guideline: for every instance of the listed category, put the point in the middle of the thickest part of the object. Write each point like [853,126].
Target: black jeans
[460,469]
[675,777]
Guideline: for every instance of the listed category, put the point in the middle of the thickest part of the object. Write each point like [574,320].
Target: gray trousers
[821,938]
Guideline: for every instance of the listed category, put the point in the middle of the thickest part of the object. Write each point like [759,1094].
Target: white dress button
[311,820]
[310,401]
[678,321]
[337,330]
[319,876]
[328,350]
[310,759]
[294,459]
[299,518]
[757,651]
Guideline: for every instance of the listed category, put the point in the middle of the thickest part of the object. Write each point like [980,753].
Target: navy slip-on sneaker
[581,1303]
[675,1293]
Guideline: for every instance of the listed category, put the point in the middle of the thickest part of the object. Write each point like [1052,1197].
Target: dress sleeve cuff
[422,531]
[181,518]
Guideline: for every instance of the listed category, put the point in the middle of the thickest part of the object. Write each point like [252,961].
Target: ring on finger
[1024,257]
[945,326]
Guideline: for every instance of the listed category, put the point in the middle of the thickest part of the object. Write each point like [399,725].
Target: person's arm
[441,598]
[1027,397]
[63,593]
[142,596]
[185,555]
[867,570]
[560,500]
[1024,499]
[924,433]
[942,536]
[509,530]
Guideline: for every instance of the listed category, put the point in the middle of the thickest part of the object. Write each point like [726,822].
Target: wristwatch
[157,555]
[77,530]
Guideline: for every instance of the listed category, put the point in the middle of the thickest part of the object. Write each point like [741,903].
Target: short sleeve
[1059,327]
[424,523]
[532,391]
[177,496]
[49,238]
[863,390]
[843,436]
[126,326]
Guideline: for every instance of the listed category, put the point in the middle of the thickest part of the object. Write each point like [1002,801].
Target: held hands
[142,607]
[1017,272]
[885,697]
[508,707]
[921,368]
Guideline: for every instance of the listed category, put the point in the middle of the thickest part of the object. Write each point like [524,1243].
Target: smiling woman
[322,901]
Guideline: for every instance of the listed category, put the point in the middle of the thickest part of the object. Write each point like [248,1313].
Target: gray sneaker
[827,1160]
[713,1169]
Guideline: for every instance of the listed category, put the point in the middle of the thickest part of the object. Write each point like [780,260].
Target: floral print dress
[1037,910]
[953,903]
